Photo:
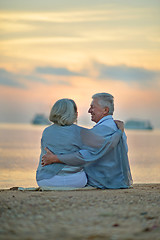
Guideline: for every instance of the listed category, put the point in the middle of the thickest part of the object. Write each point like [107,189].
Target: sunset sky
[56,49]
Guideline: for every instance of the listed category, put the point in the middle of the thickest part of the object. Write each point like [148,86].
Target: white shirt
[109,122]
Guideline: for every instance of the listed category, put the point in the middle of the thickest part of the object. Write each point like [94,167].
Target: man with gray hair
[112,169]
[101,110]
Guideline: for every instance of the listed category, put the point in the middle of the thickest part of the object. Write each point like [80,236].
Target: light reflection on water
[144,155]
[20,150]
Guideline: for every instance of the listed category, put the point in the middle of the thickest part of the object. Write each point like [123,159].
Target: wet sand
[126,214]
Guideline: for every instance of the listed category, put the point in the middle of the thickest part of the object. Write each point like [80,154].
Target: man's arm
[49,158]
[80,158]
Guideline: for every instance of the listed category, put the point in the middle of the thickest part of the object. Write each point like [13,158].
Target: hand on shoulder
[119,124]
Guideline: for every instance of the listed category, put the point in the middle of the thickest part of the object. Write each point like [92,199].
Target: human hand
[49,158]
[119,124]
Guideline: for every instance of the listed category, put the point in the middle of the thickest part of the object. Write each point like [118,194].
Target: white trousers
[77,180]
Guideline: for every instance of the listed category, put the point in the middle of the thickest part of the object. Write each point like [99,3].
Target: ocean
[20,150]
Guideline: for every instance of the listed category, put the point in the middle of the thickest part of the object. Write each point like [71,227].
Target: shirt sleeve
[85,156]
[124,137]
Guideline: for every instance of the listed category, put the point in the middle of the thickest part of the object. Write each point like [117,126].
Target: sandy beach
[124,214]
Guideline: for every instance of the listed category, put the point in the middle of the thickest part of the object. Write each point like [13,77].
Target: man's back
[112,170]
[109,167]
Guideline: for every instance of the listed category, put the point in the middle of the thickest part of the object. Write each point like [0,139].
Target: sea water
[20,151]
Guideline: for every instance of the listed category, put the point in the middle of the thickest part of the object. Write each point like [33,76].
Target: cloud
[48,5]
[19,80]
[34,78]
[10,79]
[22,80]
[61,76]
[126,73]
[57,71]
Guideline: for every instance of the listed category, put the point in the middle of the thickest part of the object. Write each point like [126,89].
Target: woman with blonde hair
[63,137]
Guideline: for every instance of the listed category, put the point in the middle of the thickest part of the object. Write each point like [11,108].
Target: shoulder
[103,130]
[108,122]
[48,129]
[75,128]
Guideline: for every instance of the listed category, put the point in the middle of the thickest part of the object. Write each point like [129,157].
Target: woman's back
[62,139]
[59,140]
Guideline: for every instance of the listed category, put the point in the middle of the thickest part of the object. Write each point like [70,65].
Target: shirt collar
[104,119]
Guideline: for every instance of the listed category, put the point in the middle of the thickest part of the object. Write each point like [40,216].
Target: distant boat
[40,119]
[138,124]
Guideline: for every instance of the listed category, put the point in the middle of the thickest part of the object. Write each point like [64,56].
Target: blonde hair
[63,112]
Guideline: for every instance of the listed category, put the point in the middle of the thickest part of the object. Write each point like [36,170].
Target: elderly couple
[73,156]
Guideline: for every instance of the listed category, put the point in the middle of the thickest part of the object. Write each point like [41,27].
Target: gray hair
[63,112]
[105,100]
